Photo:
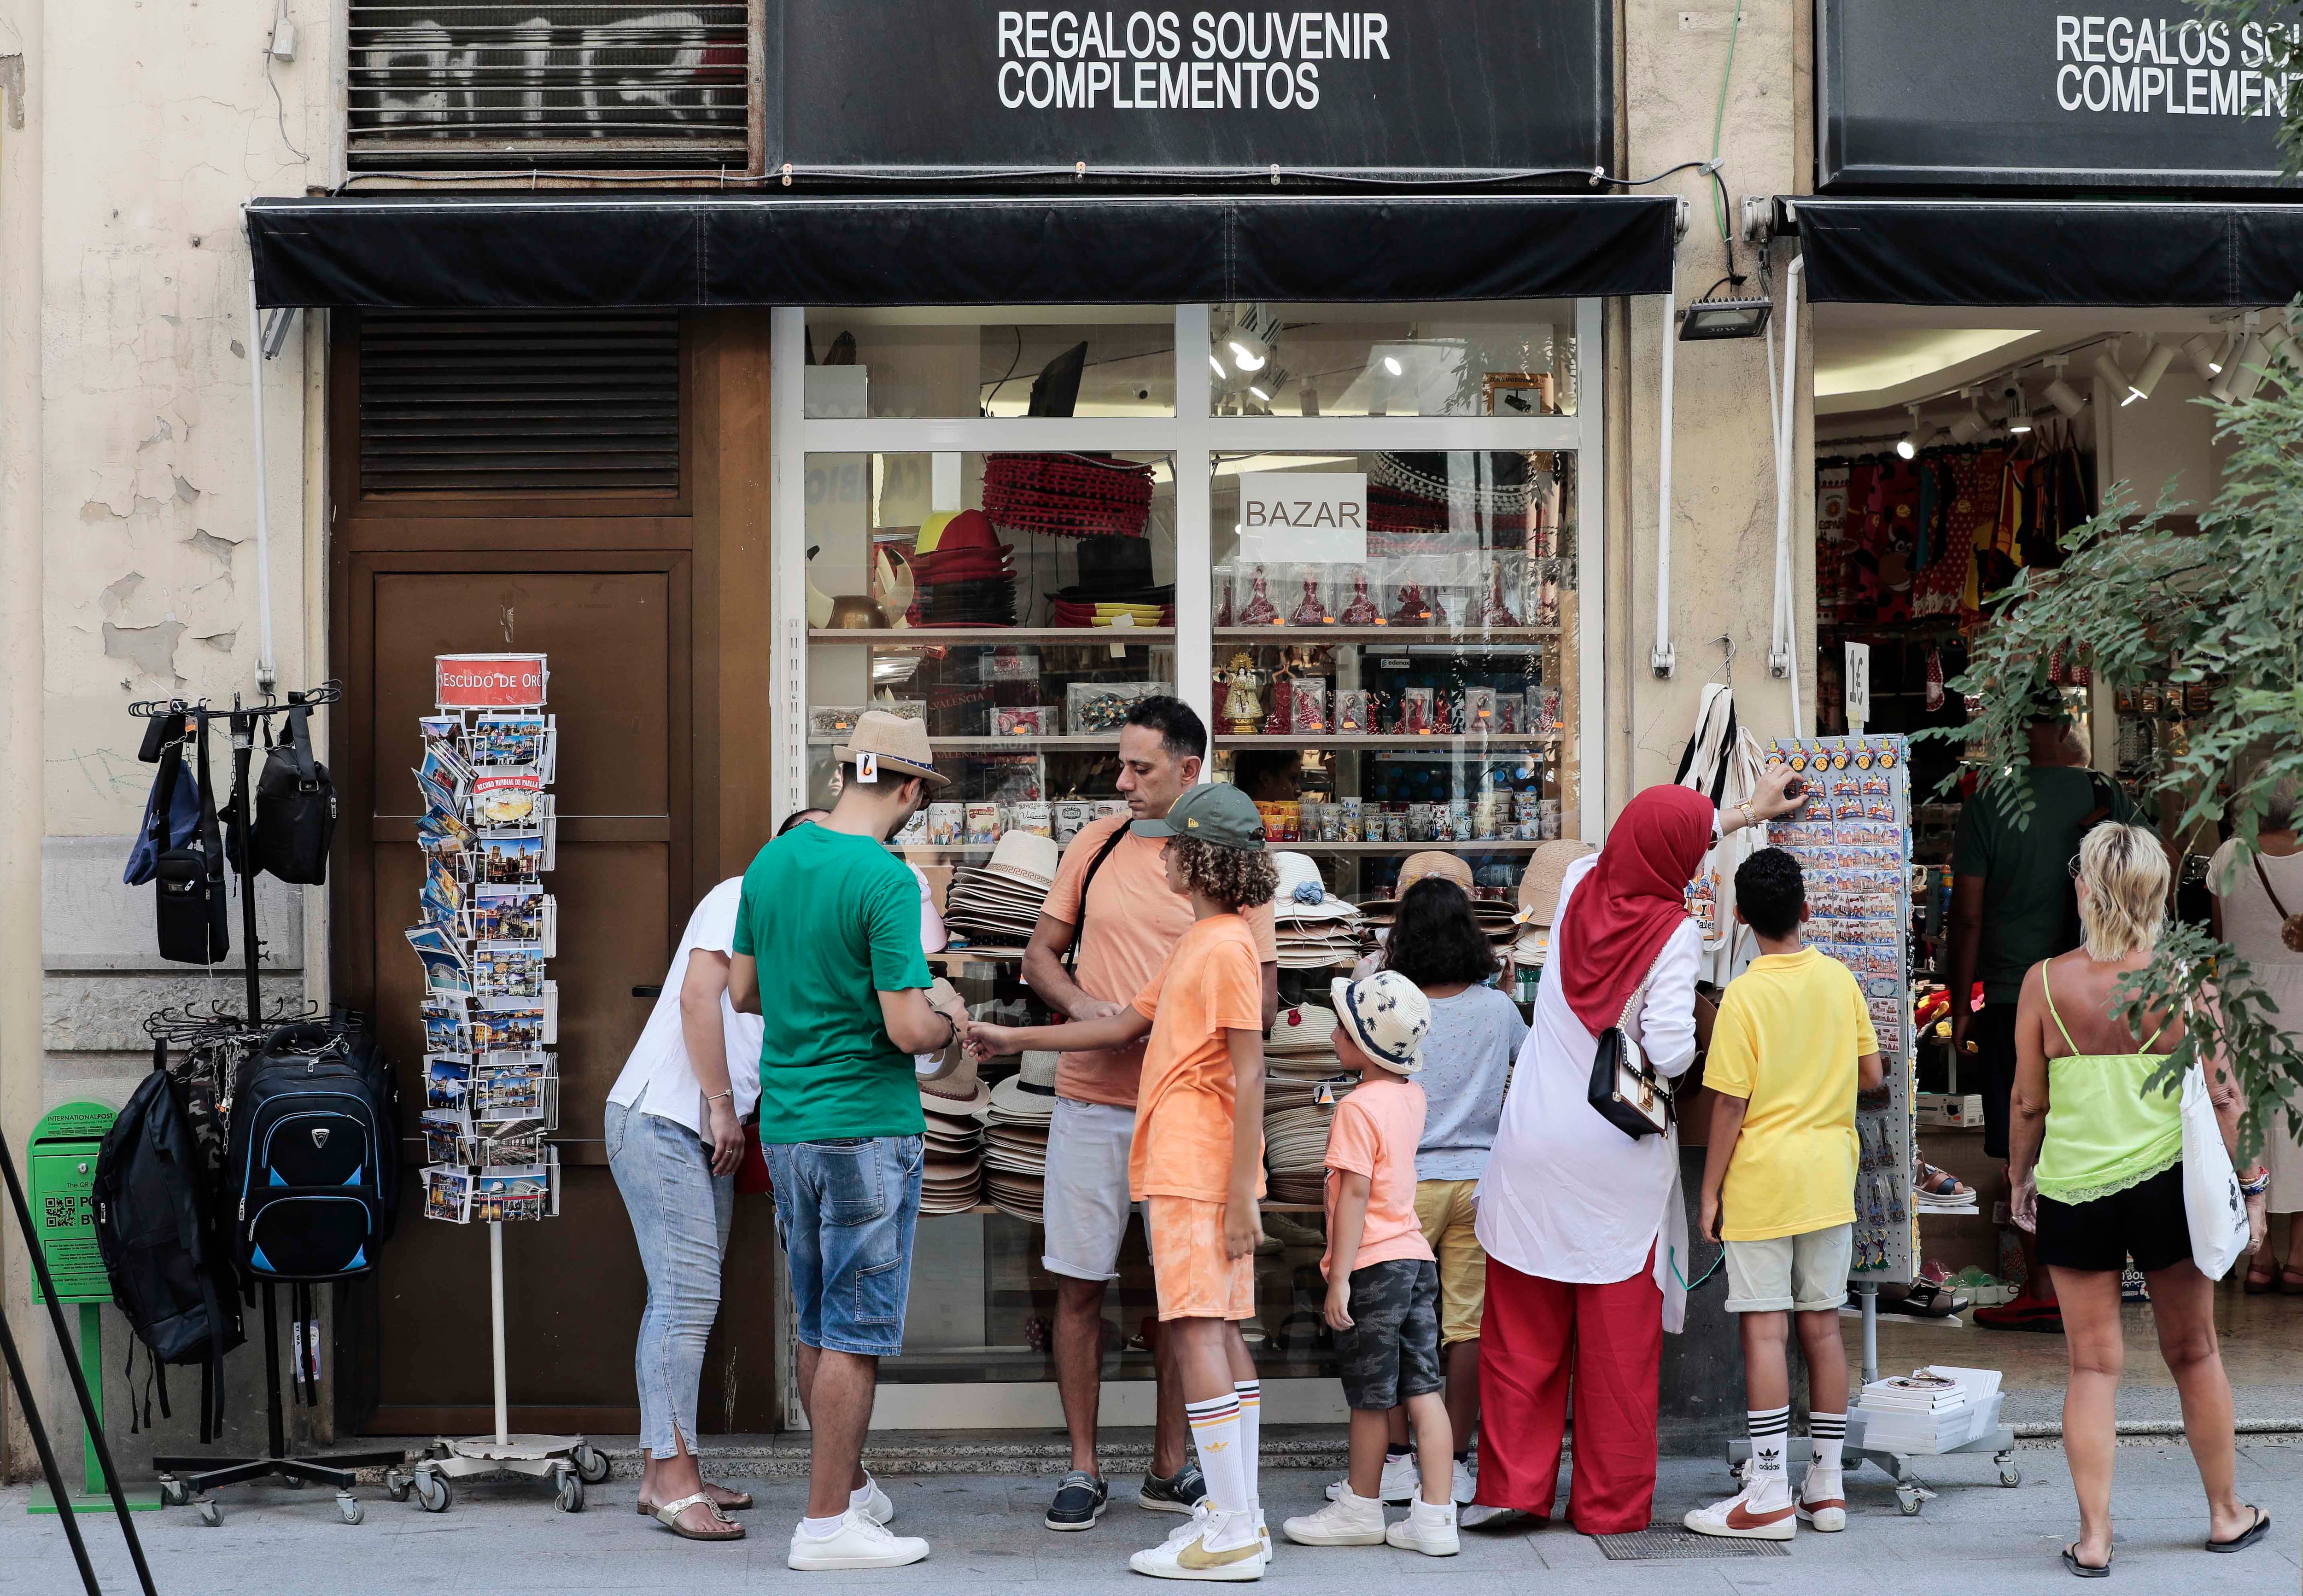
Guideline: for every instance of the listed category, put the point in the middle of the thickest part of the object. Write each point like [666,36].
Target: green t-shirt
[832,920]
[2030,906]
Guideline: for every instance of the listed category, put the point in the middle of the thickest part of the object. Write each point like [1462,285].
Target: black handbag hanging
[295,808]
[193,916]
[1628,1093]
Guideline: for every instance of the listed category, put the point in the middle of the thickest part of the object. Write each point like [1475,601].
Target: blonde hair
[2124,870]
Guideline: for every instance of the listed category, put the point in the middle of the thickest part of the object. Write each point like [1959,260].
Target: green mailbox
[65,1146]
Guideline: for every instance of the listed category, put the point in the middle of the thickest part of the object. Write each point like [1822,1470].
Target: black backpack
[313,1172]
[295,808]
[162,1248]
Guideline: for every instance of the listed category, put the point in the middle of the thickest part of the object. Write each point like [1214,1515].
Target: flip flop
[2245,1537]
[737,1501]
[2084,1570]
[668,1516]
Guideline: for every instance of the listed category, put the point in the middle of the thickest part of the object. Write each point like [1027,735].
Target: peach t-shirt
[1210,984]
[1374,1134]
[1131,924]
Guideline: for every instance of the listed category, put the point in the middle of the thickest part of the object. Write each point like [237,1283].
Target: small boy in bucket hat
[1383,1282]
[1197,1160]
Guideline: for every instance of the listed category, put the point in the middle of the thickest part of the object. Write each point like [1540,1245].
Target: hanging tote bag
[2213,1204]
[1629,1094]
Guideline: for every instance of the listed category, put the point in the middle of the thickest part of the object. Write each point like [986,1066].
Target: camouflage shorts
[1391,1352]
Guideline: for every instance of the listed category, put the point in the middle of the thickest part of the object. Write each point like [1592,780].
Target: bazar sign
[1319,517]
[1484,85]
[2145,95]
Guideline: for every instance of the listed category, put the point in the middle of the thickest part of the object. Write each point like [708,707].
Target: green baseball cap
[1214,812]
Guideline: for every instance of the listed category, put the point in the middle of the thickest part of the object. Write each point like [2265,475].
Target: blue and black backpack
[312,1175]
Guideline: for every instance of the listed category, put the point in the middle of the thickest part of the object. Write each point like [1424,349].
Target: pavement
[504,1539]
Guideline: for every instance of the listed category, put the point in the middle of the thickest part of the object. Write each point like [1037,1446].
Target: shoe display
[1080,1500]
[1823,1499]
[1427,1528]
[1180,1492]
[1467,1485]
[860,1542]
[1755,1513]
[1214,1546]
[1402,1477]
[1347,1521]
[875,1505]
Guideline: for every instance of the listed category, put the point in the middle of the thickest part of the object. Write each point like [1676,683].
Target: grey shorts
[1391,1352]
[1805,1274]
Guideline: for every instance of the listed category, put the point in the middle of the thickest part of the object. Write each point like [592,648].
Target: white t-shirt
[657,1078]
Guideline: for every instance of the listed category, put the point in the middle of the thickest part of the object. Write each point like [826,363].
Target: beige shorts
[1805,1274]
[1192,1277]
[1447,1210]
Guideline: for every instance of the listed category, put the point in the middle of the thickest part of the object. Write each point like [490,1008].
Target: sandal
[2245,1537]
[2291,1280]
[668,1516]
[727,1501]
[2261,1282]
[2084,1570]
[1928,1299]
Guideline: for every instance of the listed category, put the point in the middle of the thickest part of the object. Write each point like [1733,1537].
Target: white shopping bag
[2211,1201]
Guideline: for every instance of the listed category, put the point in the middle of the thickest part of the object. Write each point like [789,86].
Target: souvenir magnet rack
[189,1479]
[488,836]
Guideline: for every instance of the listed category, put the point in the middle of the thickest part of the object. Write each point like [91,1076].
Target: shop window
[495,405]
[1507,360]
[1079,361]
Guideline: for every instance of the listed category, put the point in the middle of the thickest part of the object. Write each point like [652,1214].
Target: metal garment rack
[189,1479]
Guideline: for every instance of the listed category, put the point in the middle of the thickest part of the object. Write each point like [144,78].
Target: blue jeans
[679,1213]
[845,1210]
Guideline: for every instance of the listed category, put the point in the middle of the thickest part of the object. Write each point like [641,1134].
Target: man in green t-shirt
[2012,903]
[833,919]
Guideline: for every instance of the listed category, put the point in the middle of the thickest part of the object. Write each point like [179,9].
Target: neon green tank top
[2106,1131]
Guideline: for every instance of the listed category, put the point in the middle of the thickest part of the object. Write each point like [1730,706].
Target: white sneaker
[1467,1485]
[1214,1546]
[1402,1477]
[1758,1512]
[1479,1513]
[859,1543]
[875,1505]
[1823,1499]
[1263,1536]
[1347,1521]
[1428,1529]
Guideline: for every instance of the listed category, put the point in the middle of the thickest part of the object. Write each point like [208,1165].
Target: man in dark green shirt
[831,919]
[2012,903]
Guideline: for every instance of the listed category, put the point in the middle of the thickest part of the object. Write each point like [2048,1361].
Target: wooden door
[608,560]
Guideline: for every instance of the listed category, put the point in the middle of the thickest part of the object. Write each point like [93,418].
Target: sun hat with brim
[1386,1015]
[899,744]
[1538,885]
[1419,867]
[1302,1027]
[1215,813]
[1026,859]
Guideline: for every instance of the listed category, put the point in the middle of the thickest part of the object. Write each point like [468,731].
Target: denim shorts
[846,1211]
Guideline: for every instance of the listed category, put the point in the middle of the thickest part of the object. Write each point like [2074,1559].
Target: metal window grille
[542,405]
[487,84]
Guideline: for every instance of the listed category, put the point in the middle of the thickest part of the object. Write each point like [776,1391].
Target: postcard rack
[491,1018]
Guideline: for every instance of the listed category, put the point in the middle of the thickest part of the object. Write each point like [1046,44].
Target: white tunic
[1567,1196]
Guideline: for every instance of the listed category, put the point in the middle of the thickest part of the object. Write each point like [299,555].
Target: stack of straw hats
[1016,1138]
[1313,930]
[955,1106]
[996,904]
[1539,899]
[1299,1057]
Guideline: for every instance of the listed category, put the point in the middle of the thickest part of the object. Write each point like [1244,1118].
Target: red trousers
[1537,1337]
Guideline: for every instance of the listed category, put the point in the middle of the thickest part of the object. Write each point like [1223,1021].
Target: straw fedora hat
[962,1093]
[1030,1094]
[1025,858]
[901,745]
[1539,887]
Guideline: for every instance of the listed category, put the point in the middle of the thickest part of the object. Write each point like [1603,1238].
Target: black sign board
[957,86]
[1970,94]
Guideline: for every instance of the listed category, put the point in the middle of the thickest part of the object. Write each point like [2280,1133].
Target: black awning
[1991,252]
[565,251]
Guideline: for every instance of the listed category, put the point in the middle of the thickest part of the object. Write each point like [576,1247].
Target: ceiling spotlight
[1908,445]
[1221,374]
[2207,352]
[2107,372]
[2242,373]
[1259,393]
[1391,365]
[2155,366]
[2279,341]
[2065,398]
[2018,415]
[1248,359]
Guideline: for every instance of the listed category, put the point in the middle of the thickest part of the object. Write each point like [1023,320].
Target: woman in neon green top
[2097,1163]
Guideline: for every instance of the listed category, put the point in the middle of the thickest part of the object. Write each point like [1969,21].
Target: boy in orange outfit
[1197,1159]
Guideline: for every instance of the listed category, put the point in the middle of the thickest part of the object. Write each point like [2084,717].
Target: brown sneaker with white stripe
[1760,1511]
[1823,1499]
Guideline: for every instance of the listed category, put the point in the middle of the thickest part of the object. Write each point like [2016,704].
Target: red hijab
[1632,901]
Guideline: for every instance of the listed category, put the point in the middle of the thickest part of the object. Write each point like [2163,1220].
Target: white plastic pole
[496,1313]
[1787,624]
[1661,660]
[267,674]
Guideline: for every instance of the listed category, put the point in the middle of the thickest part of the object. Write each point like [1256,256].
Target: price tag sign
[1859,685]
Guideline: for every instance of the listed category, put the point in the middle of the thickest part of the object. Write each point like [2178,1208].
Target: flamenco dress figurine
[1363,611]
[1492,610]
[1260,611]
[1309,611]
[1414,609]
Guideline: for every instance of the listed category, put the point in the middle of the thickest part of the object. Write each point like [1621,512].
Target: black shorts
[1391,1352]
[2145,1222]
[1993,1031]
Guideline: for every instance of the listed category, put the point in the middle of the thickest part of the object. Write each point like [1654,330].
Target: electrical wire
[280,106]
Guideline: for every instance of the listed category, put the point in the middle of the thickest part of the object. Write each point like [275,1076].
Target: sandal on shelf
[2245,1537]
[1928,1299]
[1929,1181]
[2084,1570]
[668,1516]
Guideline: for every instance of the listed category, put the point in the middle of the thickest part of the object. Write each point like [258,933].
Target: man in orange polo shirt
[1113,905]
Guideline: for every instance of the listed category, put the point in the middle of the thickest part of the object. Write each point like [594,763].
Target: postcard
[513,740]
[507,798]
[446,1130]
[519,1191]
[500,974]
[447,1079]
[448,1195]
[511,858]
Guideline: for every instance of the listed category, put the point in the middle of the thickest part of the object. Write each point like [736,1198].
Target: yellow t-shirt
[1789,1032]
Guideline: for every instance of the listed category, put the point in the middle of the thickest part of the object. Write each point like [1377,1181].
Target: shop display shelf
[1487,846]
[1450,637]
[929,636]
[1262,1207]
[1452,741]
[1107,742]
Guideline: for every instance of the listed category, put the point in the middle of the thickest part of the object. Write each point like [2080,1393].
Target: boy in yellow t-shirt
[1792,1045]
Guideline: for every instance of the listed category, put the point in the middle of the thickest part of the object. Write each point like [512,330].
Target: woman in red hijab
[1584,1228]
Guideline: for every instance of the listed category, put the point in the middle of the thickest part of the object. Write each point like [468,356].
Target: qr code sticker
[59,1212]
